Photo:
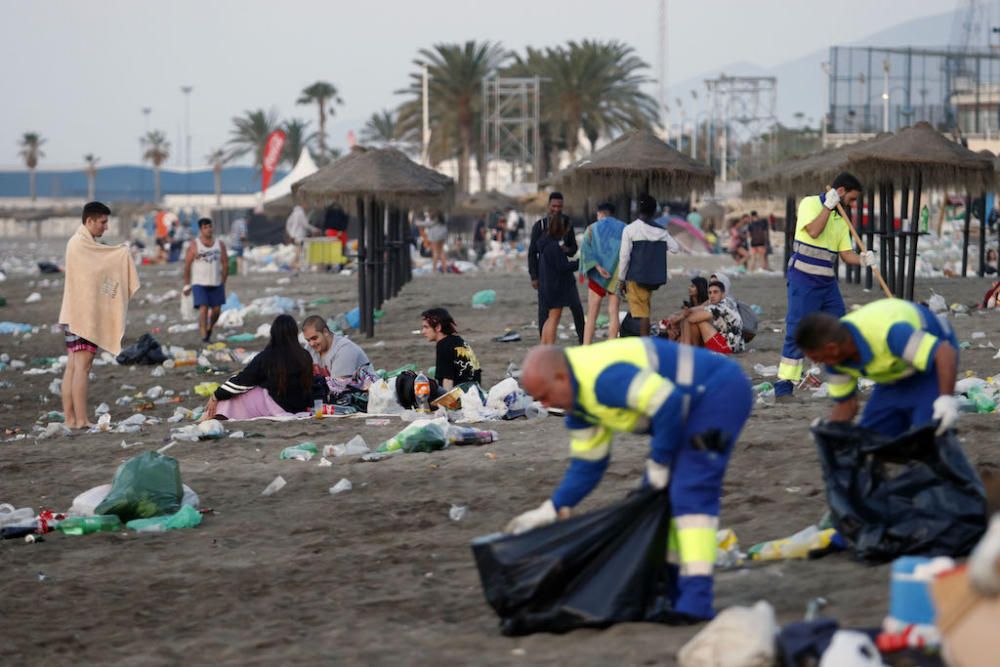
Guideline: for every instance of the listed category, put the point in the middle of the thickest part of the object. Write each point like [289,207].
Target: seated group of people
[710,318]
[286,378]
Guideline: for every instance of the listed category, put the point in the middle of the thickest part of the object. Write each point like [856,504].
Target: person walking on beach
[599,262]
[206,269]
[556,278]
[673,393]
[298,229]
[100,280]
[569,247]
[238,241]
[910,353]
[821,236]
[642,261]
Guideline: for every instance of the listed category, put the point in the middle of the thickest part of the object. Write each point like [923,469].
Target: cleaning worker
[906,349]
[672,392]
[821,235]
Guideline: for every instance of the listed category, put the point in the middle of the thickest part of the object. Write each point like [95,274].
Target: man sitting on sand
[333,356]
[673,393]
[456,363]
[714,325]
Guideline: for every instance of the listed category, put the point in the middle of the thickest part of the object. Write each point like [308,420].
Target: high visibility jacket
[895,339]
[635,385]
[812,260]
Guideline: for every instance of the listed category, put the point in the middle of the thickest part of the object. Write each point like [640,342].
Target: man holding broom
[821,235]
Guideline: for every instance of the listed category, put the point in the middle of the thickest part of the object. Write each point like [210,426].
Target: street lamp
[187,136]
[885,95]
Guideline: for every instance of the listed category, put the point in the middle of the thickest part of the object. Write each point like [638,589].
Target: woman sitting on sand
[697,295]
[277,382]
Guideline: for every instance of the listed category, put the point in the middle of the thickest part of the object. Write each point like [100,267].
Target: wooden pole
[363,212]
[965,235]
[982,236]
[890,201]
[861,245]
[870,228]
[904,208]
[789,229]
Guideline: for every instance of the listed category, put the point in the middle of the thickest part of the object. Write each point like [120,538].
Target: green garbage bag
[145,486]
[186,517]
[483,298]
[420,436]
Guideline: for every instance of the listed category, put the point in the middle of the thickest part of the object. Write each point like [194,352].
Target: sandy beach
[381,574]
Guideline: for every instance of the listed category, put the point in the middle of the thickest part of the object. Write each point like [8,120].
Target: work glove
[657,475]
[869,258]
[831,199]
[542,515]
[945,410]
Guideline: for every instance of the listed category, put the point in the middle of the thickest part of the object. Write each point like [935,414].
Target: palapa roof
[637,161]
[806,174]
[482,202]
[922,150]
[384,174]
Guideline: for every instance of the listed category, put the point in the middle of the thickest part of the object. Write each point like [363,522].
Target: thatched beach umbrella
[635,162]
[481,203]
[383,184]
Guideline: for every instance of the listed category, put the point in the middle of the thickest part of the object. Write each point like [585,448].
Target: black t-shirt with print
[456,361]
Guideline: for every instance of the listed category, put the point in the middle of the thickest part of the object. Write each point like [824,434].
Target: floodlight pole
[426,133]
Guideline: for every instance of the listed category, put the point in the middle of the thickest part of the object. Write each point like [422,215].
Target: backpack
[749,321]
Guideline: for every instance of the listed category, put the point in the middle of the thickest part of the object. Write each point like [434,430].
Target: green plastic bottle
[762,387]
[981,400]
[84,525]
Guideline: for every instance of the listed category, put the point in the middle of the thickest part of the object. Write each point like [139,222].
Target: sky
[80,73]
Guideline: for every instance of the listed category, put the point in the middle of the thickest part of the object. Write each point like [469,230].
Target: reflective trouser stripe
[692,544]
[790,369]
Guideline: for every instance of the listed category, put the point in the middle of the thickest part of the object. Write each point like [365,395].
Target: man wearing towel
[100,280]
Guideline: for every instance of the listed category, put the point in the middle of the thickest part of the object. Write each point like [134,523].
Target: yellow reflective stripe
[841,389]
[648,391]
[590,444]
[697,545]
[790,369]
[699,569]
[921,356]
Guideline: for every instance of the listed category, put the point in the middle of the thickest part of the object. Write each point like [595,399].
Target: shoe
[783,388]
[509,337]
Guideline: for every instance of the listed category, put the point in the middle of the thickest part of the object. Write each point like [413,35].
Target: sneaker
[509,337]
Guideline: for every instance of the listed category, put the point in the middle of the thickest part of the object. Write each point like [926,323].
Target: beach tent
[691,239]
[278,198]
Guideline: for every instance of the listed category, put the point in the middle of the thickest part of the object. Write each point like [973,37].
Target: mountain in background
[802,84]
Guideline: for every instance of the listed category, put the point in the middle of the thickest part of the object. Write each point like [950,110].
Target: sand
[380,574]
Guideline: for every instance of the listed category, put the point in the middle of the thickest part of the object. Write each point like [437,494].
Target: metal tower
[744,108]
[511,114]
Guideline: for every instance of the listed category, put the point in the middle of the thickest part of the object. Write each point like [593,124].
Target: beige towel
[100,279]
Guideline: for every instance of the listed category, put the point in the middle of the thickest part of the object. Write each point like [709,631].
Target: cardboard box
[969,622]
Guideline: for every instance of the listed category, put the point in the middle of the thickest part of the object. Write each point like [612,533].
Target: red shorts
[596,289]
[717,343]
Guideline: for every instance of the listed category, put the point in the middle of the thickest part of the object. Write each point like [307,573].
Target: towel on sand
[100,279]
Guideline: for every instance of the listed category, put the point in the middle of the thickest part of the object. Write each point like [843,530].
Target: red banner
[272,155]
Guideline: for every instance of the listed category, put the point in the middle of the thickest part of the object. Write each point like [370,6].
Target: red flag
[272,155]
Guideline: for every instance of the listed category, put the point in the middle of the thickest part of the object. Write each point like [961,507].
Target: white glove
[542,515]
[945,409]
[869,258]
[657,475]
[831,199]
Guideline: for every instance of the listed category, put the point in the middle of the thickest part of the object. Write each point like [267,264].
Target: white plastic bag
[382,398]
[187,308]
[737,637]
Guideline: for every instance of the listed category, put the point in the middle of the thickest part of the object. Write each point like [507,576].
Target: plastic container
[9,516]
[422,393]
[981,400]
[909,589]
[84,525]
[301,452]
[797,546]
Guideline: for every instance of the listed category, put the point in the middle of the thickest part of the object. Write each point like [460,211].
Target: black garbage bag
[592,570]
[48,267]
[146,350]
[912,495]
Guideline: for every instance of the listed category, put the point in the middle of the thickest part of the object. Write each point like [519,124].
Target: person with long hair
[670,327]
[556,283]
[276,383]
[437,234]
[455,362]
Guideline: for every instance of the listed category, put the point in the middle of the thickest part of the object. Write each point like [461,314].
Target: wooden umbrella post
[861,245]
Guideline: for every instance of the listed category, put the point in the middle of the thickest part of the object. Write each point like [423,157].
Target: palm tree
[456,83]
[321,93]
[217,157]
[91,160]
[31,150]
[297,137]
[157,150]
[590,86]
[250,132]
[380,128]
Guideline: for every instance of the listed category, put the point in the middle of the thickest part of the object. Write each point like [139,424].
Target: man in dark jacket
[570,248]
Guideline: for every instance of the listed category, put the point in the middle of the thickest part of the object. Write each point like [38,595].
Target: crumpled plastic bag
[737,637]
[382,398]
[85,503]
[508,400]
[145,486]
[185,517]
[423,435]
[146,350]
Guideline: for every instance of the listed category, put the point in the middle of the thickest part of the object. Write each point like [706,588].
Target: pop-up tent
[278,198]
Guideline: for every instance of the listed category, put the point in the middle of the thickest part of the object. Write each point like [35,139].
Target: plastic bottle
[762,387]
[84,525]
[982,400]
[422,393]
[797,546]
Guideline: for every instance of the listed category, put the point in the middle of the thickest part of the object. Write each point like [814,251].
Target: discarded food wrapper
[352,447]
[341,486]
[304,451]
[457,512]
